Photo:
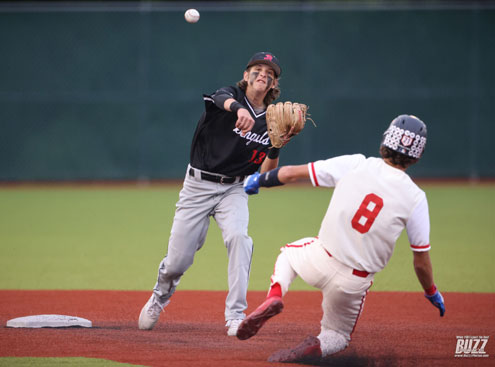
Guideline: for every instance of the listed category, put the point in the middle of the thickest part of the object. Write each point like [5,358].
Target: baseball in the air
[191,15]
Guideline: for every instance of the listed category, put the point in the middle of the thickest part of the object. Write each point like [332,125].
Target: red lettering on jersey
[364,212]
[257,157]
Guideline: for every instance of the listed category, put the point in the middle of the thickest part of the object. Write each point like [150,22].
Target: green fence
[108,91]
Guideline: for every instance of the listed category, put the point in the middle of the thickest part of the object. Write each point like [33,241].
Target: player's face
[260,77]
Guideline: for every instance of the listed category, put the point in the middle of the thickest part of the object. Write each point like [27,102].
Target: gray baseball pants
[228,205]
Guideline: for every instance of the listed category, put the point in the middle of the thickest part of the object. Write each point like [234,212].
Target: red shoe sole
[250,326]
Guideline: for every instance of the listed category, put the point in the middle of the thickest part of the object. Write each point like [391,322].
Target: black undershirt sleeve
[220,97]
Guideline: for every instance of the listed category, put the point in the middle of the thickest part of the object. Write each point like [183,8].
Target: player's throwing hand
[244,121]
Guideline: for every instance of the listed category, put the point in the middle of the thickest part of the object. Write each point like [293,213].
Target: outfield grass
[114,238]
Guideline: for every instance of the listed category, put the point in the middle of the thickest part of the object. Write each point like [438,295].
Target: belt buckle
[221,180]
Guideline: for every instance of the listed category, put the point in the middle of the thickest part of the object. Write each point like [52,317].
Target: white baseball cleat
[232,326]
[150,313]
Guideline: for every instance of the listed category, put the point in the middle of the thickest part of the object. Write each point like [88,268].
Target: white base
[39,321]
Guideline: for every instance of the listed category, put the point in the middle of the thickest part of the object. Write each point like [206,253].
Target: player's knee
[239,239]
[170,276]
[175,269]
[332,342]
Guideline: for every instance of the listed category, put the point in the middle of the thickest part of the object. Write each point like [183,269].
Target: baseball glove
[285,120]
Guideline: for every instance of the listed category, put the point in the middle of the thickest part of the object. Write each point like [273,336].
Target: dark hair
[396,158]
[271,96]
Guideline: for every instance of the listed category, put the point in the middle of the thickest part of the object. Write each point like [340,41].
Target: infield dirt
[395,329]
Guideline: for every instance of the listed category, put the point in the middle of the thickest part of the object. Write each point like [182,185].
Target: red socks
[275,291]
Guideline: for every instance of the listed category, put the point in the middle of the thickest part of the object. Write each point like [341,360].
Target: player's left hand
[287,137]
[437,300]
[252,184]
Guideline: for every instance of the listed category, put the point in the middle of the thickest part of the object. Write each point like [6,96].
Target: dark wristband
[235,106]
[270,178]
[273,153]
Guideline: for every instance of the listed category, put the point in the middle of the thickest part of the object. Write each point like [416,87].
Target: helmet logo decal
[406,139]
[268,57]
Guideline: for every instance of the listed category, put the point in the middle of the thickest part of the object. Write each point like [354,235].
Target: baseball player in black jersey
[230,142]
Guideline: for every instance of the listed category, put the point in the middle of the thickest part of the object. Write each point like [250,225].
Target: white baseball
[191,15]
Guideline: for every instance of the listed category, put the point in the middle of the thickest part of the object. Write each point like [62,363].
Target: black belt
[217,179]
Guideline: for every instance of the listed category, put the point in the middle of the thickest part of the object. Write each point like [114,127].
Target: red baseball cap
[265,58]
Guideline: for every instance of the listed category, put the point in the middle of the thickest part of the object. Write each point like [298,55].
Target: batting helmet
[406,135]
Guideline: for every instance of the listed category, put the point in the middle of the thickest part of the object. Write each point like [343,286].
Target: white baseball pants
[228,205]
[343,292]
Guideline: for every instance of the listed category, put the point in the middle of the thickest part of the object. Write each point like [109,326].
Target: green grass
[59,362]
[102,238]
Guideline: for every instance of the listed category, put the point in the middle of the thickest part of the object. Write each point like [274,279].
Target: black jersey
[218,145]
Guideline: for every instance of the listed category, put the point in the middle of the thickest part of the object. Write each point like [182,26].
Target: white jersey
[371,205]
